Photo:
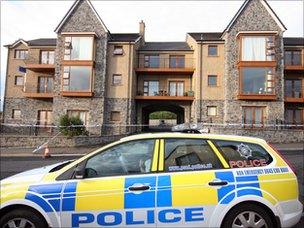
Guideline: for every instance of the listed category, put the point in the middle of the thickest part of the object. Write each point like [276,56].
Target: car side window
[189,154]
[242,154]
[132,157]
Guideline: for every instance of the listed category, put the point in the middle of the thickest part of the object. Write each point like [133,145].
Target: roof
[206,36]
[293,41]
[190,135]
[165,46]
[267,7]
[75,4]
[124,37]
[43,42]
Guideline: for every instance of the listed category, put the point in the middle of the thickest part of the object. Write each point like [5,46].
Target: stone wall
[250,20]
[220,111]
[82,19]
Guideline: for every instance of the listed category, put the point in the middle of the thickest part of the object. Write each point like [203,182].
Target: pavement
[78,151]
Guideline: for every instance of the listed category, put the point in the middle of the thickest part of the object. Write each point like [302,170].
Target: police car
[159,180]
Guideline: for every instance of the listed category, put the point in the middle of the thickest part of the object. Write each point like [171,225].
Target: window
[115,116]
[78,48]
[253,116]
[21,54]
[293,88]
[19,80]
[189,154]
[294,116]
[176,88]
[118,50]
[79,114]
[151,88]
[177,61]
[44,120]
[47,57]
[117,79]
[45,84]
[133,157]
[258,48]
[152,61]
[211,111]
[212,80]
[77,78]
[257,80]
[242,155]
[212,50]
[293,58]
[16,114]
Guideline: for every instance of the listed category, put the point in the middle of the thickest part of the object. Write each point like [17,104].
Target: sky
[165,20]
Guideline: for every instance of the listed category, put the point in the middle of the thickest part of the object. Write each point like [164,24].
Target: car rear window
[243,154]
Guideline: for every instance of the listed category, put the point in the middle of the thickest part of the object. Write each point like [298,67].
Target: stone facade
[83,19]
[250,20]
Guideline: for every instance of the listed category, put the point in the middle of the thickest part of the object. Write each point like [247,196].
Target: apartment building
[249,73]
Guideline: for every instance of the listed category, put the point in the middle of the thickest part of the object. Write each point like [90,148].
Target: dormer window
[78,48]
[257,48]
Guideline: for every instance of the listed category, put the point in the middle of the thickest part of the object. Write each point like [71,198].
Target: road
[12,165]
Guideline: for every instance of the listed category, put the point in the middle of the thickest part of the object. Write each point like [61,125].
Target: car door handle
[139,188]
[218,183]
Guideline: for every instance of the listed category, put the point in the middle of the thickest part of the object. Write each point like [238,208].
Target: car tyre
[248,215]
[22,218]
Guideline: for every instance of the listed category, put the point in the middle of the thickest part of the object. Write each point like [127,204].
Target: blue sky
[165,20]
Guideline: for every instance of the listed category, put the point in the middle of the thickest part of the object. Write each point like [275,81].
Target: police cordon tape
[155,125]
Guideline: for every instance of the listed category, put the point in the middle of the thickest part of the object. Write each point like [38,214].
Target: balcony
[155,65]
[39,67]
[38,91]
[174,92]
[294,96]
[294,60]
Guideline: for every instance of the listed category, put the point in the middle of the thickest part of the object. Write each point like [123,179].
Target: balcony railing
[181,93]
[293,95]
[165,64]
[294,60]
[37,91]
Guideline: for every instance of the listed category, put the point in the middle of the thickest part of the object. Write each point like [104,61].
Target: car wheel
[20,218]
[249,215]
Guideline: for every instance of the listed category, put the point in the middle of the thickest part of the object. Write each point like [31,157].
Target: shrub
[67,123]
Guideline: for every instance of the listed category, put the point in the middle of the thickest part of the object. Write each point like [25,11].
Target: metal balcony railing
[169,63]
[38,90]
[294,93]
[166,92]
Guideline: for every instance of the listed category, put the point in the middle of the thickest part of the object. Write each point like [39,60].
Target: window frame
[118,47]
[147,60]
[13,114]
[214,76]
[240,41]
[66,47]
[48,57]
[177,58]
[217,51]
[117,84]
[15,80]
[162,151]
[76,91]
[253,124]
[216,110]
[20,50]
[154,157]
[113,119]
[241,93]
[69,111]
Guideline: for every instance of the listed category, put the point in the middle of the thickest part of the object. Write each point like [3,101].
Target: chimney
[142,29]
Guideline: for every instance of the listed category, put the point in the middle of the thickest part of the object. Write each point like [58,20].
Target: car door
[188,190]
[117,190]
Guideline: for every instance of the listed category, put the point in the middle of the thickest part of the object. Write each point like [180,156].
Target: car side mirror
[79,172]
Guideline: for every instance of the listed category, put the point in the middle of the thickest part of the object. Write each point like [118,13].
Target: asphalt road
[12,165]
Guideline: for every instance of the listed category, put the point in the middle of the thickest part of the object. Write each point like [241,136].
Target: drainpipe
[201,79]
[129,85]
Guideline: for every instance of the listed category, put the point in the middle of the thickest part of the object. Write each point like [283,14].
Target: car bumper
[290,212]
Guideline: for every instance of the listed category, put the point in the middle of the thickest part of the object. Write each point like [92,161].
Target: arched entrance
[149,109]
